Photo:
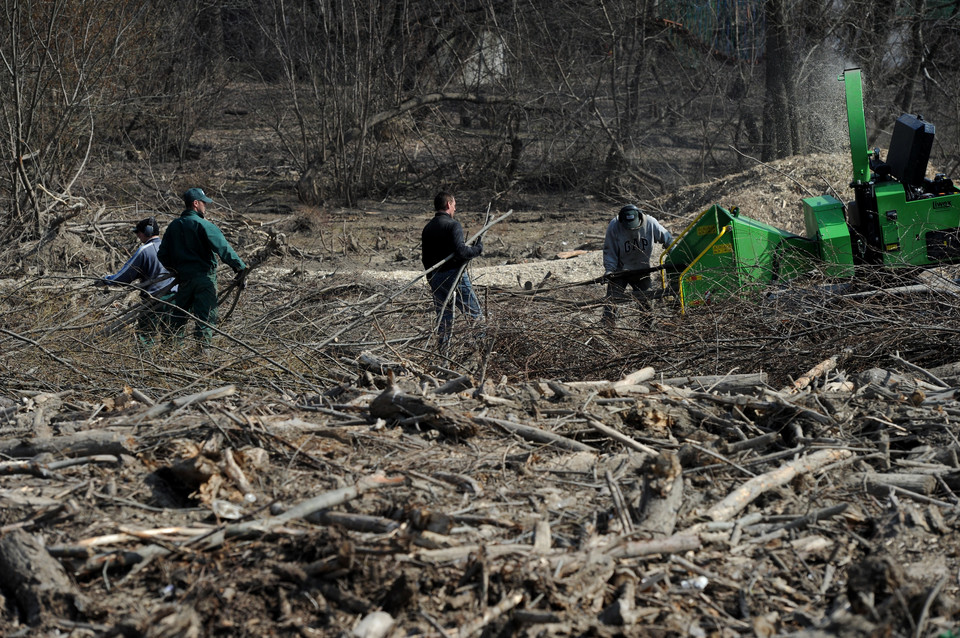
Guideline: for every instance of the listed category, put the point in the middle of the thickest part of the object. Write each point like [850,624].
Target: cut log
[663,495]
[395,405]
[85,443]
[814,517]
[721,382]
[453,386]
[677,544]
[356,522]
[947,372]
[36,580]
[635,378]
[816,372]
[886,380]
[880,483]
[732,447]
[929,376]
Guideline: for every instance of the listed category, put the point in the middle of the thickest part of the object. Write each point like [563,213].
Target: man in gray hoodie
[627,247]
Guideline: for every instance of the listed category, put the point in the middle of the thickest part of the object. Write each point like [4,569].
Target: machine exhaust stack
[859,151]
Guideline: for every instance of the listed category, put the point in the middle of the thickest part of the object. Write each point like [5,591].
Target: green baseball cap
[196,194]
[630,216]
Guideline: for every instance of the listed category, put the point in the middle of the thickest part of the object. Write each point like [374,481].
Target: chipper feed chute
[723,254]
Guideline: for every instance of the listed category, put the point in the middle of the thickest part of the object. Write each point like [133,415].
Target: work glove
[613,277]
[479,245]
[241,278]
[100,283]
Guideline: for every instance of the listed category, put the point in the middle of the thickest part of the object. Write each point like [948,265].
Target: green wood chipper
[898,218]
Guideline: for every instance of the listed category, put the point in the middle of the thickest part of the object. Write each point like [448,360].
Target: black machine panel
[943,245]
[910,149]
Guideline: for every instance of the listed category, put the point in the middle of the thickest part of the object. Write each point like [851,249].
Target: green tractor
[899,218]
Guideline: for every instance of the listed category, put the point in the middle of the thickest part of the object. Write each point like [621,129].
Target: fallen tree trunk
[85,443]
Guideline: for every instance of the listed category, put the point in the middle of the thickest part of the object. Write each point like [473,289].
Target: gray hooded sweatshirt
[625,249]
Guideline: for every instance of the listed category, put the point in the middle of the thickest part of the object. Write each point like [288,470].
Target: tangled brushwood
[786,463]
[299,328]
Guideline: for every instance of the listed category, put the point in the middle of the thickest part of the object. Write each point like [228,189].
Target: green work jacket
[191,245]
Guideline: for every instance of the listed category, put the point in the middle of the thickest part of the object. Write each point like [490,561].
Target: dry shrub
[301,335]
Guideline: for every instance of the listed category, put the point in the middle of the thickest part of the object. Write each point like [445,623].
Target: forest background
[620,99]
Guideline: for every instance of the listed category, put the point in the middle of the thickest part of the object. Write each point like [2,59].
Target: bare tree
[623,98]
[906,49]
[54,57]
[780,133]
[183,44]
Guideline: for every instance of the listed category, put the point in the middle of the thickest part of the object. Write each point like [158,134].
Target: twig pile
[781,466]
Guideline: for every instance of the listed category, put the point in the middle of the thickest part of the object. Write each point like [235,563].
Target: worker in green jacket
[190,248]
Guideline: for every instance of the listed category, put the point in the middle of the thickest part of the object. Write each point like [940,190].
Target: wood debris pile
[787,466]
[411,502]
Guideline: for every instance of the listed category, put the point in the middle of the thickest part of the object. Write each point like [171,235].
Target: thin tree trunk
[914,61]
[778,125]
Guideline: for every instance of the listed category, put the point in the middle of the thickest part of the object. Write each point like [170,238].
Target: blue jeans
[464,298]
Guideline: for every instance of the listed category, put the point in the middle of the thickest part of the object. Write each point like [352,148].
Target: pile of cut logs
[417,502]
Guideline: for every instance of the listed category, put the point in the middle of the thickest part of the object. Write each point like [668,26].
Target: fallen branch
[35,344]
[617,436]
[749,491]
[181,402]
[216,537]
[536,435]
[676,544]
[633,379]
[313,505]
[43,470]
[817,371]
[477,624]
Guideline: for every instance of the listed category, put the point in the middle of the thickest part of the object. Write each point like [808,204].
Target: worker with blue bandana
[156,285]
